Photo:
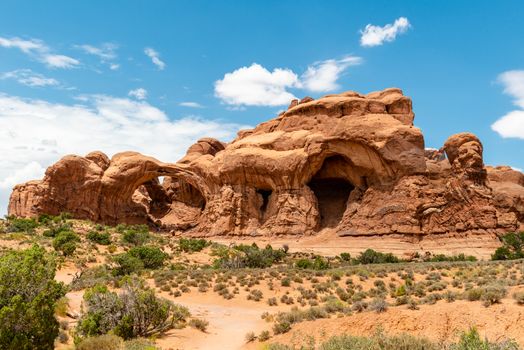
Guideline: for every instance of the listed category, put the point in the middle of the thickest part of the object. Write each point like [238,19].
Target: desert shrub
[512,244]
[359,306]
[138,258]
[272,301]
[378,341]
[91,277]
[126,264]
[191,245]
[25,225]
[345,257]
[378,305]
[264,335]
[459,257]
[382,342]
[199,324]
[250,256]
[106,342]
[151,257]
[519,297]
[471,340]
[493,294]
[28,297]
[54,228]
[103,238]
[255,295]
[135,312]
[371,256]
[135,235]
[474,294]
[489,294]
[318,263]
[65,242]
[139,344]
[281,327]
[250,337]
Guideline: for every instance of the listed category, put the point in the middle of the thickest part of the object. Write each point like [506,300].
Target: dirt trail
[228,325]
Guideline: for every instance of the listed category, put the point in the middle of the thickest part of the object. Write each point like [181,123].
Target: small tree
[28,295]
[65,242]
[135,312]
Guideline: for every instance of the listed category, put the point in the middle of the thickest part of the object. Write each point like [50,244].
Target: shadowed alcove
[332,187]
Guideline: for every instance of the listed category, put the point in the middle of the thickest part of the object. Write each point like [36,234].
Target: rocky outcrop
[351,163]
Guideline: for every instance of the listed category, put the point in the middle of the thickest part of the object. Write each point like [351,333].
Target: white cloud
[256,86]
[139,94]
[40,51]
[375,35]
[191,104]
[512,123]
[60,61]
[26,46]
[513,82]
[322,76]
[155,57]
[37,133]
[29,78]
[105,52]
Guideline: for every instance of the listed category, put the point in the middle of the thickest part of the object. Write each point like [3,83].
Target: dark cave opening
[265,201]
[332,196]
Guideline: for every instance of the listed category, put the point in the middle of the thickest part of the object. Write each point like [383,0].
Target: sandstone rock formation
[349,162]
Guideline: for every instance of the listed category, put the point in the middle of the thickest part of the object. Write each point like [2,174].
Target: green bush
[512,244]
[318,263]
[151,257]
[135,235]
[459,257]
[127,264]
[55,228]
[25,225]
[138,258]
[471,341]
[103,238]
[250,256]
[135,312]
[65,242]
[371,256]
[345,256]
[191,245]
[28,297]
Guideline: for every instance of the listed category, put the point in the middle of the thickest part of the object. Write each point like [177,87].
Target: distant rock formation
[350,162]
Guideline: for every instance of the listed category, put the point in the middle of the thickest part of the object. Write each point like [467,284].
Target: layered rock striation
[352,163]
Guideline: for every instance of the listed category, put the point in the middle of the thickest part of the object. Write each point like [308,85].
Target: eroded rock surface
[349,162]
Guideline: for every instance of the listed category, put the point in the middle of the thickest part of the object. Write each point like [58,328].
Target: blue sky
[154,76]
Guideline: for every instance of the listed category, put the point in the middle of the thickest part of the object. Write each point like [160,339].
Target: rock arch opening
[332,187]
